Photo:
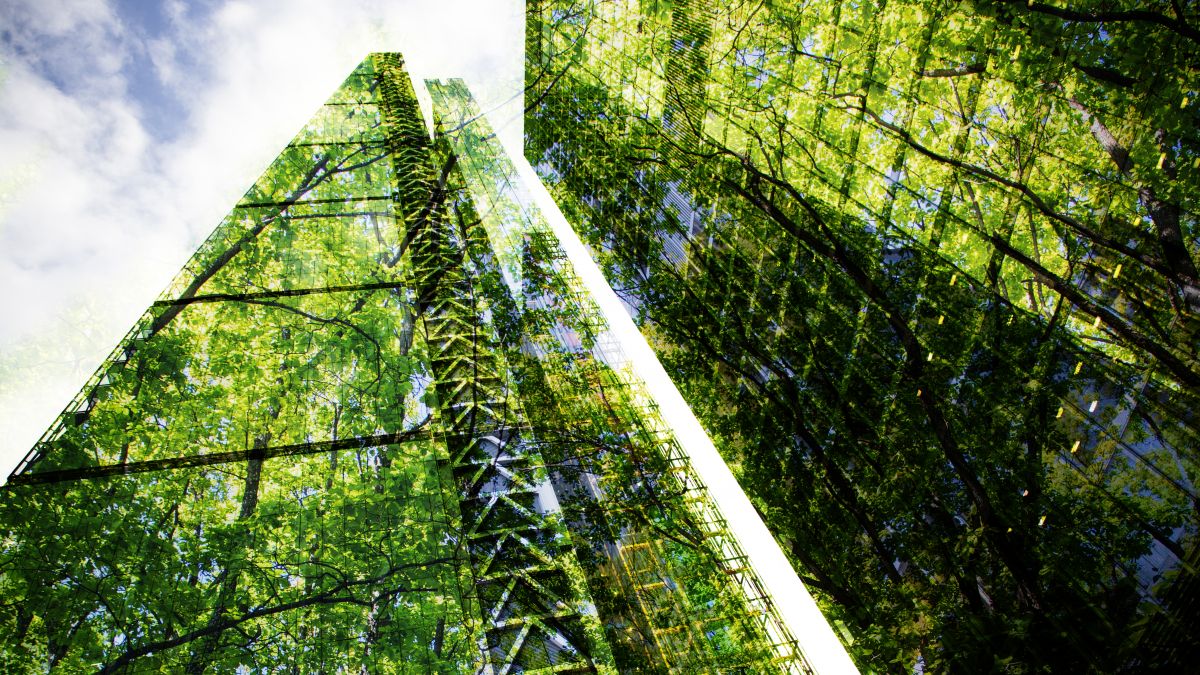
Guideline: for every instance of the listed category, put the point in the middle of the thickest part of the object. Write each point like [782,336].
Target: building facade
[375,425]
[926,271]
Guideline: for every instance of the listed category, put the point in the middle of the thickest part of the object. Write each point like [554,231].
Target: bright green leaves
[291,333]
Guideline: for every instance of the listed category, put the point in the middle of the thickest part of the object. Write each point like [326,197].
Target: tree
[913,284]
[344,441]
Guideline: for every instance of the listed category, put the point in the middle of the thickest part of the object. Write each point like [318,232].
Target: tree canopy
[927,273]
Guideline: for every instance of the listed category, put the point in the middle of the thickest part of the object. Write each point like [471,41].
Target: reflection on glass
[911,272]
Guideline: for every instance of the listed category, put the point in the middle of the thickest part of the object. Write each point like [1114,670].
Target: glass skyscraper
[377,424]
[926,271]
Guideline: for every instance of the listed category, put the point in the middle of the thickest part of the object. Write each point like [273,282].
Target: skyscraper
[927,273]
[378,424]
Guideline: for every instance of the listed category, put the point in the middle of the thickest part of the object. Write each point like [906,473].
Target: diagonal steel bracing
[530,593]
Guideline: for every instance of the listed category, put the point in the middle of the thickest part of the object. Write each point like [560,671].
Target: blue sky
[128,128]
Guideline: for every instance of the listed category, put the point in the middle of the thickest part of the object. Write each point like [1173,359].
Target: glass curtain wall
[927,273]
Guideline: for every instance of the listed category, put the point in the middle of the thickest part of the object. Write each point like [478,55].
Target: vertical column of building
[530,593]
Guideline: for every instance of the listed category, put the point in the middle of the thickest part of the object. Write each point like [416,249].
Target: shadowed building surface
[926,271]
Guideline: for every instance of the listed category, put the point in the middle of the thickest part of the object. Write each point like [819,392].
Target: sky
[128,128]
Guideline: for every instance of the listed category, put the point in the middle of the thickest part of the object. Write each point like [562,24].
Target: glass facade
[926,272]
[376,424]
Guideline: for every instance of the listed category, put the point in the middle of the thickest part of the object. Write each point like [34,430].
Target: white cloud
[97,213]
[162,56]
[79,43]
[60,18]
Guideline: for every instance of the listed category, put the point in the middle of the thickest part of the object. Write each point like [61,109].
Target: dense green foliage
[289,331]
[927,273]
[347,438]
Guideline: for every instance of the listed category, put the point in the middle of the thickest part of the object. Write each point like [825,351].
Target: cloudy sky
[129,127]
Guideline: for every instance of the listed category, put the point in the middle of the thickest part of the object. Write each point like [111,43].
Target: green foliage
[926,271]
[337,443]
[289,328]
[669,583]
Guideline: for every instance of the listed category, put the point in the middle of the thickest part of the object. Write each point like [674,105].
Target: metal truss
[530,593]
[529,602]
